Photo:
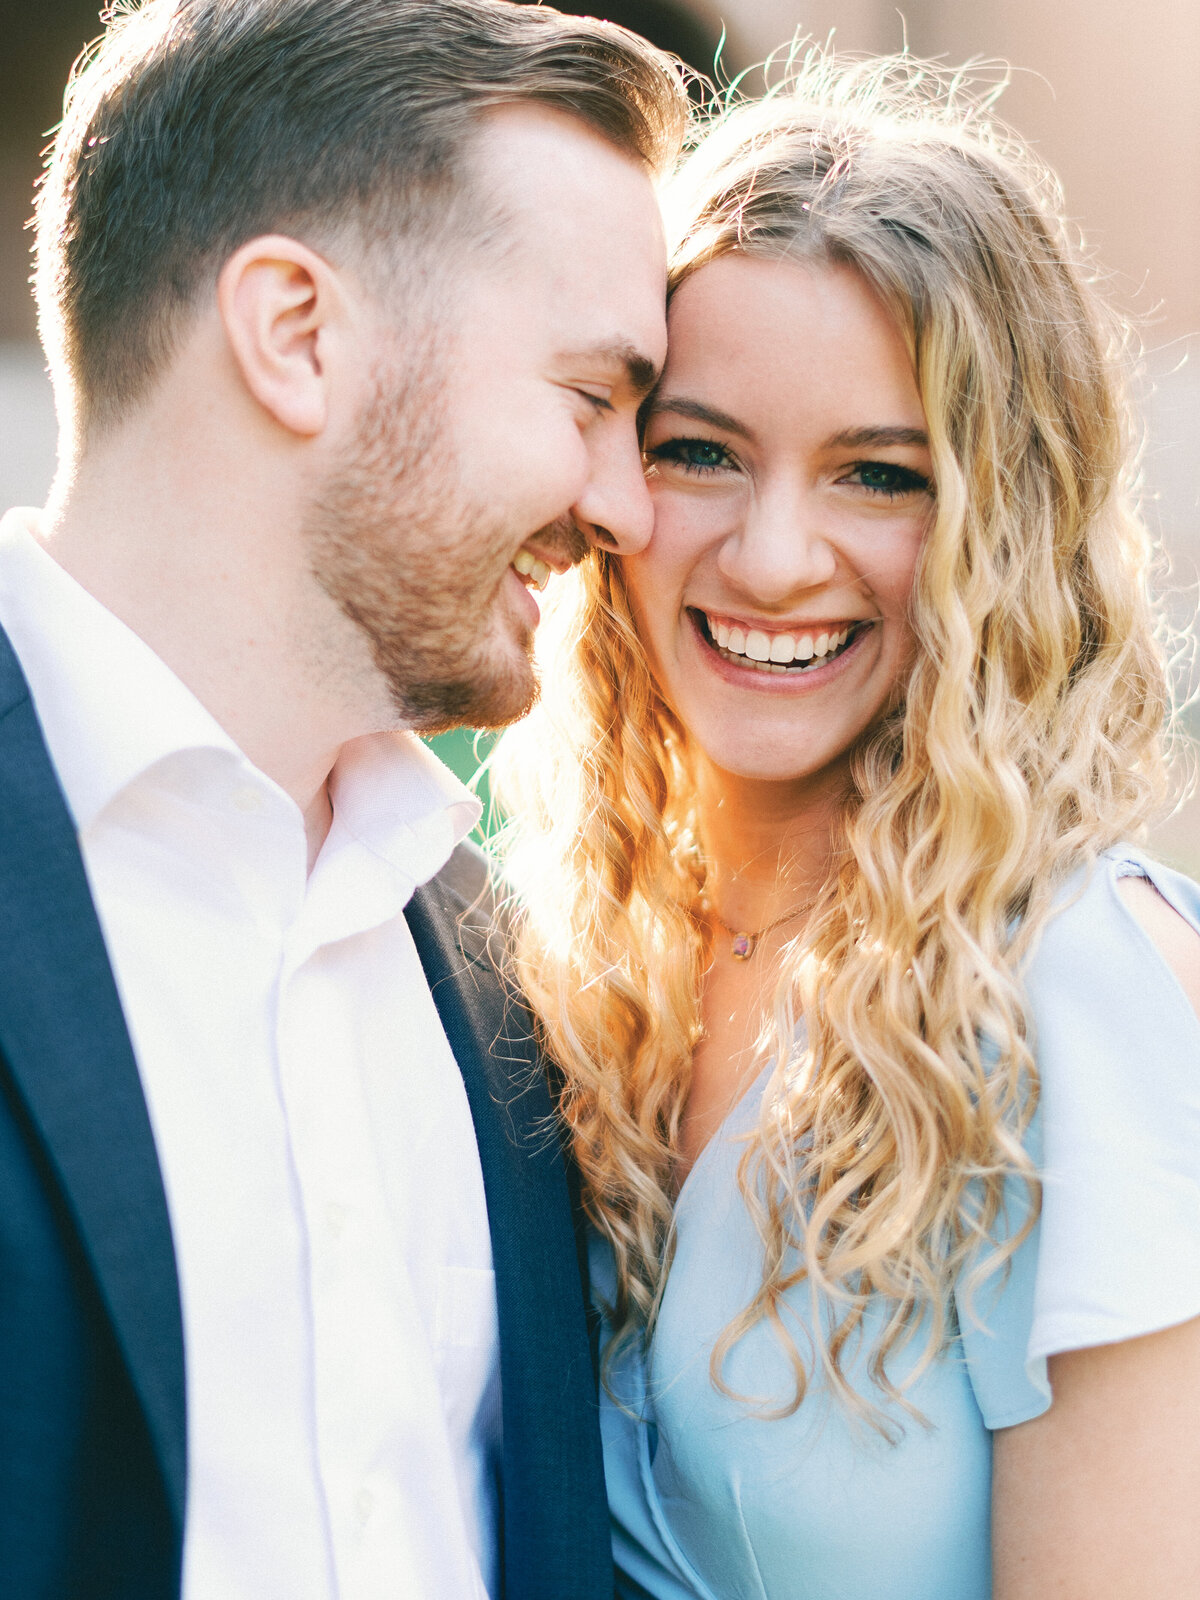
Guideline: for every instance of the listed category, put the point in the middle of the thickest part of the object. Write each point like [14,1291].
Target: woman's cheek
[682,522]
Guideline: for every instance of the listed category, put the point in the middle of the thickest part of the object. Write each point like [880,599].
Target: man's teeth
[529,566]
[778,650]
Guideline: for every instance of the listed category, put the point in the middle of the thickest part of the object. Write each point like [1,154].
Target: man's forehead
[527,145]
[580,257]
[558,183]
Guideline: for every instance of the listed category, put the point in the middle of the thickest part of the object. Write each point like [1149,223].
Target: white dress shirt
[313,1131]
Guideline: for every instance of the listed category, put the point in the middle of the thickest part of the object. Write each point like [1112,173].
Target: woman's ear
[280,304]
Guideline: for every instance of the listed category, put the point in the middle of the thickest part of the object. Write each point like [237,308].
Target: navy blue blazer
[93,1454]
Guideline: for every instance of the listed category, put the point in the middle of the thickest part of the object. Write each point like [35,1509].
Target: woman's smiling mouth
[794,653]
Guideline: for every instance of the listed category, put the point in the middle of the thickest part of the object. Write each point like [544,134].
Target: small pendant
[741,946]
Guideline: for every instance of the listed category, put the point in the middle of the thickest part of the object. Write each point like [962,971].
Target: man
[349,306]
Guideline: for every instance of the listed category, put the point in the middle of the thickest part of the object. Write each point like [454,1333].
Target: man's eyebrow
[877,437]
[639,372]
[697,411]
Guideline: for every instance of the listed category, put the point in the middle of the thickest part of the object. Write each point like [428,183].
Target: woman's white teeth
[527,565]
[775,649]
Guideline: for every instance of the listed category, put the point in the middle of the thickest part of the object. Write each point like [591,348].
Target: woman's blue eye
[888,478]
[693,455]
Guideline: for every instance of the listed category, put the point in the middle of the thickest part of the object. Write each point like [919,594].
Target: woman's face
[792,485]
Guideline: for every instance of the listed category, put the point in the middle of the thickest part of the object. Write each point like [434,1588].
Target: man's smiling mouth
[797,651]
[531,569]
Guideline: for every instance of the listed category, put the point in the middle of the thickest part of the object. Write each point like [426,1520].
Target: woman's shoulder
[1116,1037]
[1116,1138]
[1101,910]
[1111,987]
[1170,922]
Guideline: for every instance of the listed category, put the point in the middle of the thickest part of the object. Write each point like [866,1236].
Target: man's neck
[208,567]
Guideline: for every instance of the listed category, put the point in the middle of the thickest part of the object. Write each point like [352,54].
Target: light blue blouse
[710,1500]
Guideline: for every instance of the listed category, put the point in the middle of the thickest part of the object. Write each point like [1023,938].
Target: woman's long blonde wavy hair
[1029,739]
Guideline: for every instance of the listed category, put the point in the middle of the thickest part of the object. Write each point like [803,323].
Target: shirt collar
[111,709]
[396,798]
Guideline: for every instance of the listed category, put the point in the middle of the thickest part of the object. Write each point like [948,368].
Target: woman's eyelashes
[698,456]
[888,478]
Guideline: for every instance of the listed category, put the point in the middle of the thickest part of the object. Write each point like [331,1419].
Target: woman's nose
[784,545]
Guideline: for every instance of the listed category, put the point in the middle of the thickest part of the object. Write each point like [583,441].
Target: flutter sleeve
[1116,1251]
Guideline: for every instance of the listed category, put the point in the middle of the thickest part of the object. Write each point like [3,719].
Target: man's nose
[615,511]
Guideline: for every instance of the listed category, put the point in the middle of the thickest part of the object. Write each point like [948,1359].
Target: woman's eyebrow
[697,411]
[876,437]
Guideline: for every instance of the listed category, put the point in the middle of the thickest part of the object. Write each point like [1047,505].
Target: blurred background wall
[1106,91]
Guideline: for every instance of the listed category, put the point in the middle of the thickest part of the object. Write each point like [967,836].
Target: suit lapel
[556,1539]
[63,1037]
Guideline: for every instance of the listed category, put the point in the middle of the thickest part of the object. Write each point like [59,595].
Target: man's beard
[417,568]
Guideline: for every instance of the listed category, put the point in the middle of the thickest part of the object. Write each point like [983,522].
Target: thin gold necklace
[742,944]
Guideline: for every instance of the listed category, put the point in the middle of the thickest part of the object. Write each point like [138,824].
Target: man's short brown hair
[196,125]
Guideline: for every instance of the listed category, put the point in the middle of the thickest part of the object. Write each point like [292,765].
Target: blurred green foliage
[463,750]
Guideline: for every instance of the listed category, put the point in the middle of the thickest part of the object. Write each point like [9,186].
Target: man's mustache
[563,539]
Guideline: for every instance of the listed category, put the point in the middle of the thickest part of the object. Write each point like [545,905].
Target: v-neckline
[717,1136]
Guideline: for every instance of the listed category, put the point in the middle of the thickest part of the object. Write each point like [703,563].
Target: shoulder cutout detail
[1176,942]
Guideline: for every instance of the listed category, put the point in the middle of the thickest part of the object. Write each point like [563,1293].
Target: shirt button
[364,1504]
[247,798]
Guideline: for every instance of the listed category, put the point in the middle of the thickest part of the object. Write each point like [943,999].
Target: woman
[880,1046]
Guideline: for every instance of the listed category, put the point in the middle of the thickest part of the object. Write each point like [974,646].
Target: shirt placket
[376,1404]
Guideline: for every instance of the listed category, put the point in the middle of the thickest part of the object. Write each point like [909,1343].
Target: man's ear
[281,304]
